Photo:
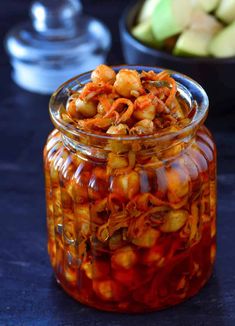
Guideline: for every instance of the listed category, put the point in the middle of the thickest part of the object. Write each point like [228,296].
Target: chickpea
[124,257]
[83,217]
[104,289]
[87,109]
[148,124]
[144,108]
[155,256]
[128,83]
[103,74]
[127,185]
[87,267]
[108,290]
[143,127]
[77,108]
[147,239]
[121,129]
[70,275]
[174,220]
[177,184]
[173,150]
[71,107]
[96,269]
[117,161]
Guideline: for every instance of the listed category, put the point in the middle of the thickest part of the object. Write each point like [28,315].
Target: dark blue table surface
[29,294]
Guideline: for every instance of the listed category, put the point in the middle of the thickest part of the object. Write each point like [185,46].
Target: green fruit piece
[196,41]
[204,22]
[193,43]
[147,10]
[206,5]
[196,4]
[223,44]
[143,33]
[171,17]
[209,5]
[226,11]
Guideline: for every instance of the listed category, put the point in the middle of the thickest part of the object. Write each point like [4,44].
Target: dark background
[29,294]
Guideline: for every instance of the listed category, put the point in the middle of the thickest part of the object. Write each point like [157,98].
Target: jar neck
[164,147]
[164,144]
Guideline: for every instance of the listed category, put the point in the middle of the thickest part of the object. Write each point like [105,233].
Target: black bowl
[215,75]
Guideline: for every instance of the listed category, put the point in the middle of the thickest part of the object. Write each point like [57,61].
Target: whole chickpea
[143,127]
[103,74]
[77,108]
[128,83]
[121,129]
[144,108]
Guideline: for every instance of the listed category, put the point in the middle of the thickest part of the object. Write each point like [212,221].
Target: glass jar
[131,220]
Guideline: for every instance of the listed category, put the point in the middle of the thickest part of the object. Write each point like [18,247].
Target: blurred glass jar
[57,44]
[136,241]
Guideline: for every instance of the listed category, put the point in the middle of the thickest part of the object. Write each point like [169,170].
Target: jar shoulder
[205,138]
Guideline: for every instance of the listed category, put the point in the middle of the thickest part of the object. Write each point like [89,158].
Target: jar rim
[195,90]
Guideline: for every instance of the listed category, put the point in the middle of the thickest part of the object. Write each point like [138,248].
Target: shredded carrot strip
[119,102]
[128,113]
[161,107]
[98,122]
[137,227]
[103,232]
[104,102]
[163,75]
[173,91]
[113,107]
[92,90]
[149,75]
[117,221]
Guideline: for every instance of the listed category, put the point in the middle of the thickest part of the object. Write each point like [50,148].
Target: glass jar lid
[59,43]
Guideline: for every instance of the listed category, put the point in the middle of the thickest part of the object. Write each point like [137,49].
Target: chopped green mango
[193,43]
[143,32]
[171,17]
[202,21]
[226,11]
[223,44]
[206,5]
[147,10]
[196,40]
[209,5]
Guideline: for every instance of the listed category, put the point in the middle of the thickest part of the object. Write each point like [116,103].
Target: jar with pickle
[130,175]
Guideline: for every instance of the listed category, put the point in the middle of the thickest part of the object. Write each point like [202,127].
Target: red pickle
[131,202]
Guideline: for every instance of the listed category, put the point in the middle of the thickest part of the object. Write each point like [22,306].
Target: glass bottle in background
[59,43]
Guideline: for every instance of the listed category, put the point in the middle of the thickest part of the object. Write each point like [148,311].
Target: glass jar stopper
[58,43]
[53,17]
